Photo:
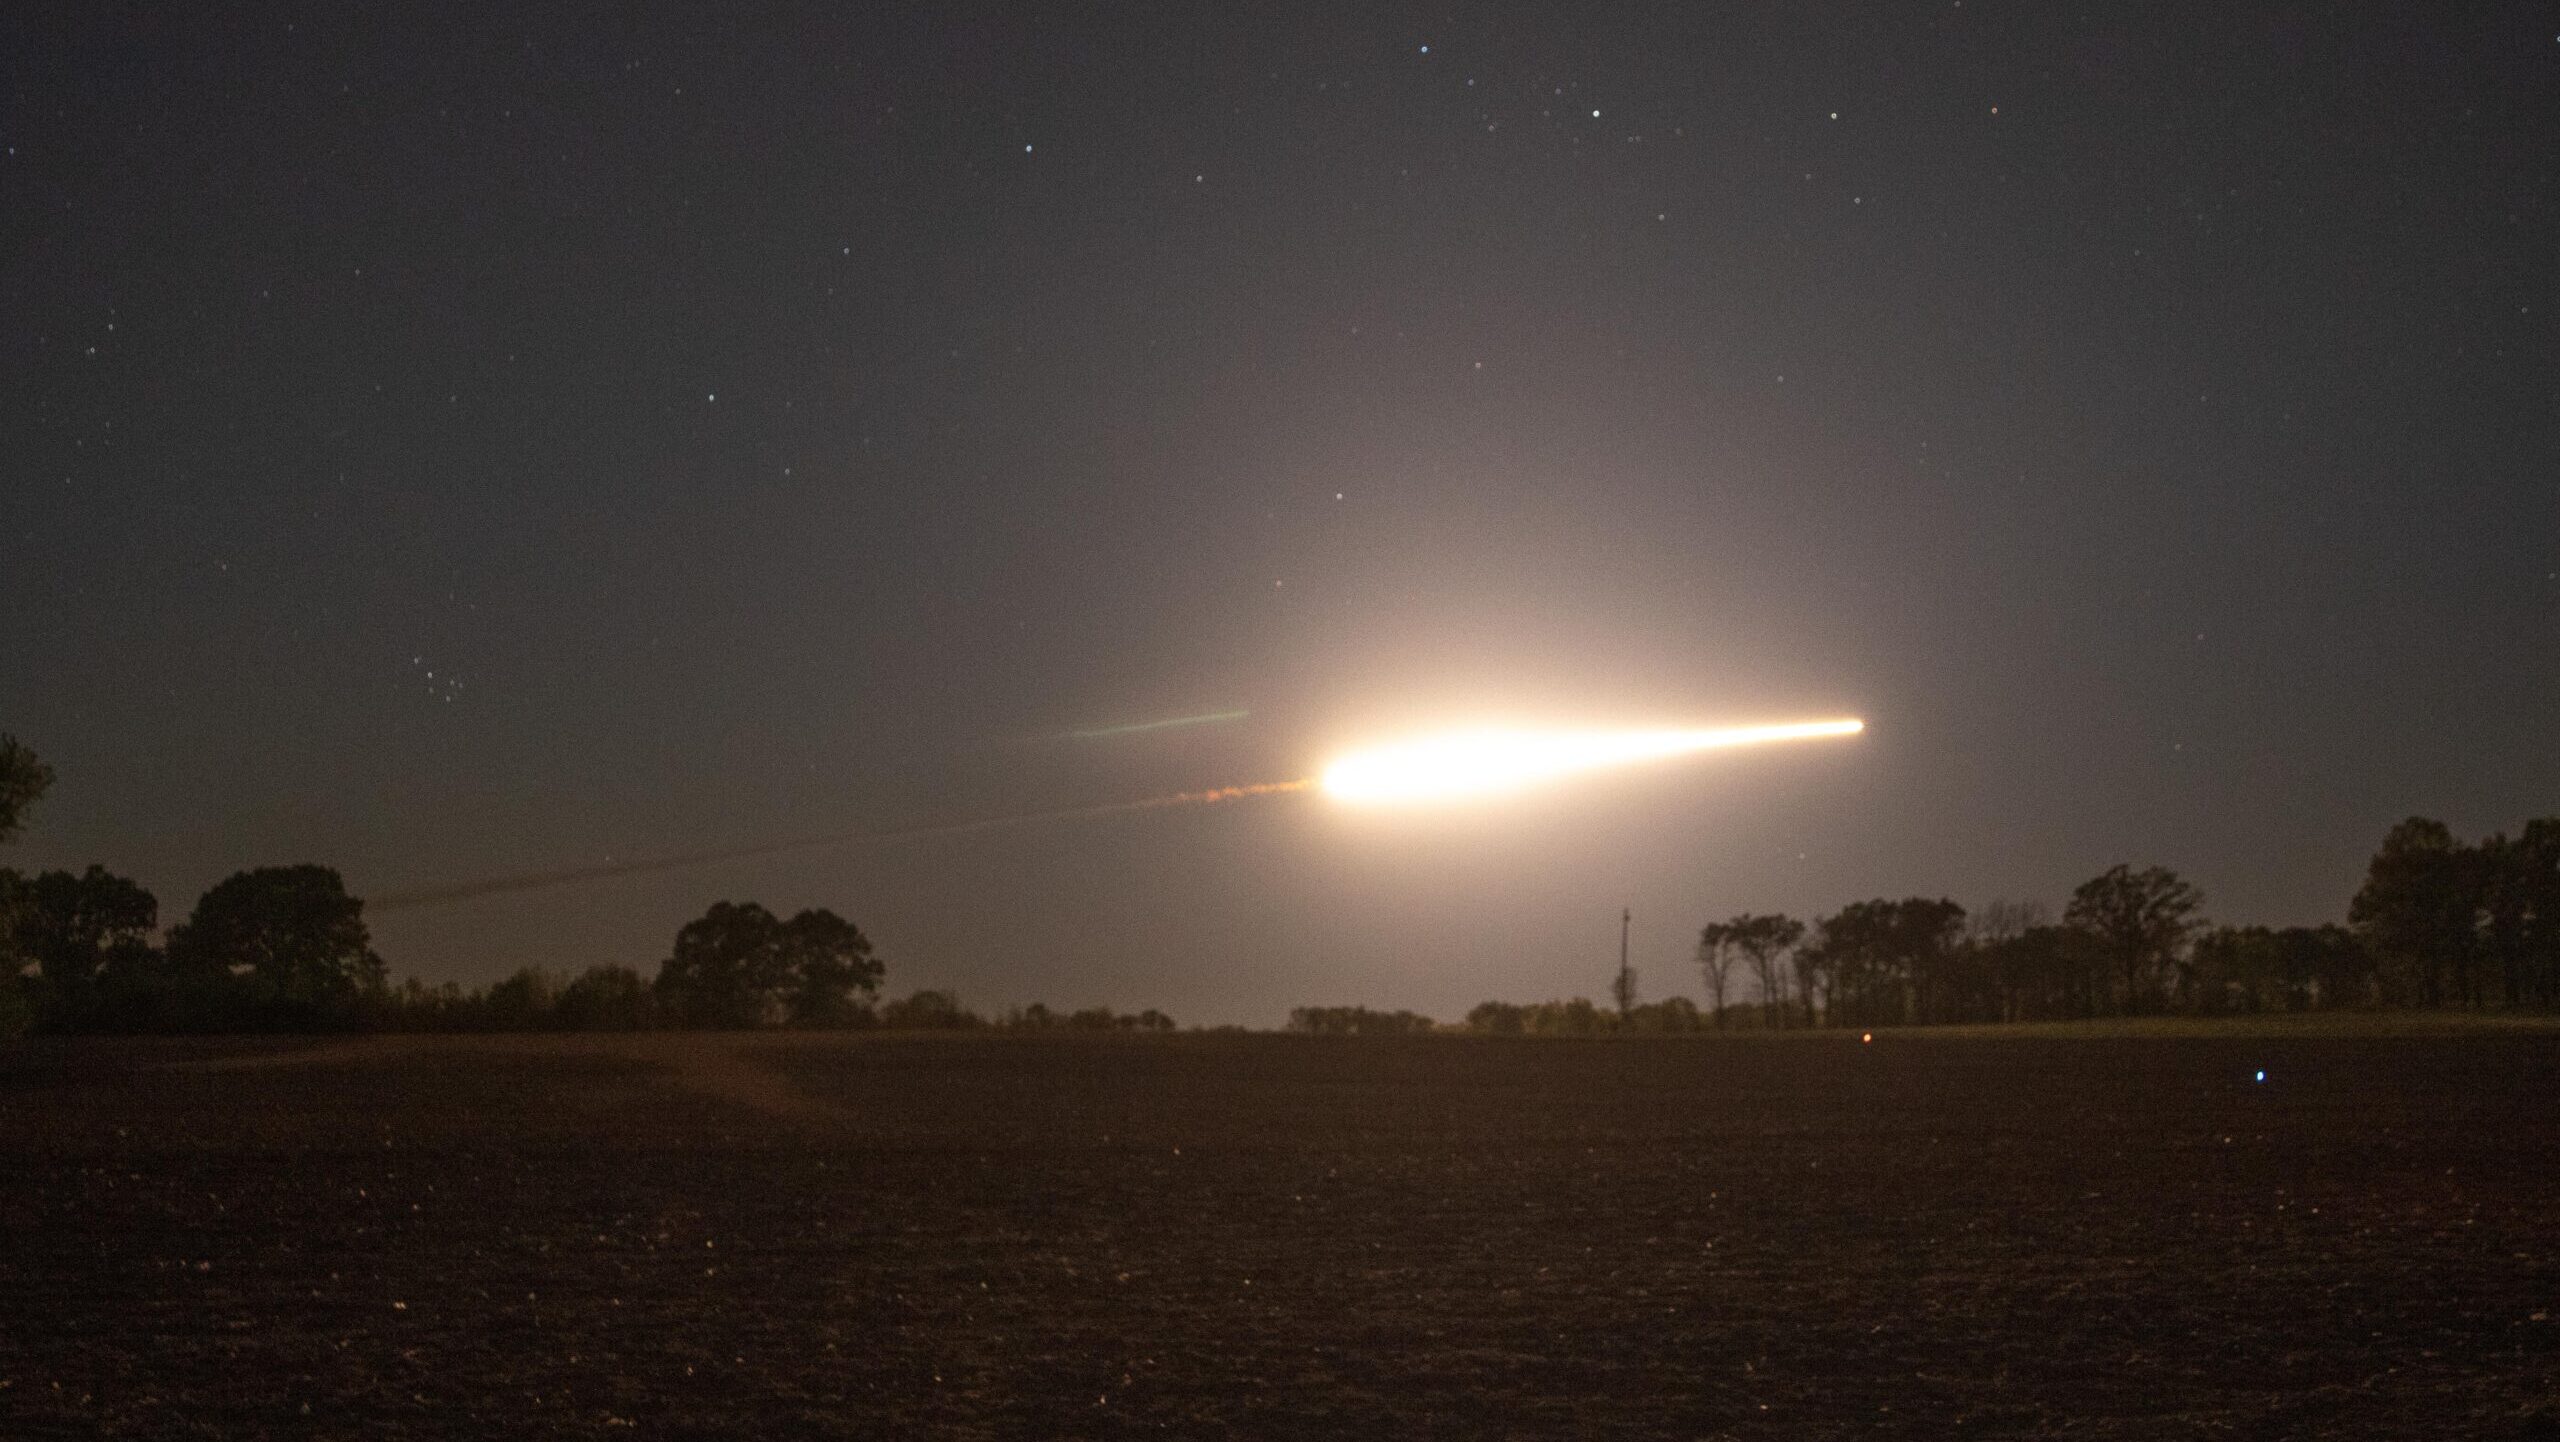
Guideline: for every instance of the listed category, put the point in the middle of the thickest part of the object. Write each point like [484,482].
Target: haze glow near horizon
[1491,761]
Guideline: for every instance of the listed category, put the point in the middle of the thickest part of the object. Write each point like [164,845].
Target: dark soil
[1281,1237]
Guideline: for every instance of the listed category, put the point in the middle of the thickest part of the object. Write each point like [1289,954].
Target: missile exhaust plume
[1133,728]
[570,876]
[1431,768]
[1489,762]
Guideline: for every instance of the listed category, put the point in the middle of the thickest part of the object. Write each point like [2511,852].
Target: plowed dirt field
[1205,1235]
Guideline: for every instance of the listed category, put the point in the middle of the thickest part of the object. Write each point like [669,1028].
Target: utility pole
[1625,989]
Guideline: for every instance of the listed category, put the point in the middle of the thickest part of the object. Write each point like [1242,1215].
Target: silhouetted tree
[1928,936]
[2258,969]
[1885,961]
[2520,912]
[2229,969]
[604,998]
[413,1005]
[2140,920]
[17,1012]
[23,780]
[1813,982]
[2000,919]
[738,965]
[2531,868]
[2306,956]
[828,960]
[726,969]
[521,1002]
[1764,941]
[1718,953]
[2339,964]
[2419,909]
[291,938]
[2043,973]
[87,935]
[1989,931]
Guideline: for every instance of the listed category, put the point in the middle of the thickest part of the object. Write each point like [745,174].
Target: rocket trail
[1133,728]
[569,876]
[1419,769]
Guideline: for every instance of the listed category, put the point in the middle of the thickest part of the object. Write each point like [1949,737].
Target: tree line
[2436,924]
[285,948]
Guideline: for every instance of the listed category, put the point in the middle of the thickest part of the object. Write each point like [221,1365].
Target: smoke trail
[1097,733]
[569,876]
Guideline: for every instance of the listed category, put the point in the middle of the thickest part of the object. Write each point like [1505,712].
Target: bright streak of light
[1133,728]
[1488,762]
[1426,769]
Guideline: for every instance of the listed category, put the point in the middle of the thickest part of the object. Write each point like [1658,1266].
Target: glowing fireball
[1486,762]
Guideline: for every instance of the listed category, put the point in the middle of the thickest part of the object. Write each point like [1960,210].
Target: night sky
[447,446]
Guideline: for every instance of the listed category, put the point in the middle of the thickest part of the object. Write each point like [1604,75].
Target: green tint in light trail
[1132,728]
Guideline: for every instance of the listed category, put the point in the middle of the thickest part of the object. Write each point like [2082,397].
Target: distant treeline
[617,998]
[286,949]
[2437,924]
[1357,1021]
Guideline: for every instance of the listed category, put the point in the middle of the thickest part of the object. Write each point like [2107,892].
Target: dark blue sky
[759,419]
